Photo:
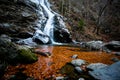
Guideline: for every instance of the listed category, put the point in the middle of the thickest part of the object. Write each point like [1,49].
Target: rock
[20,76]
[47,54]
[11,53]
[115,59]
[8,51]
[3,66]
[78,62]
[5,37]
[61,33]
[113,45]
[74,56]
[40,37]
[26,56]
[62,36]
[94,66]
[28,41]
[111,72]
[117,53]
[94,45]
[81,79]
[24,34]
[60,78]
[78,69]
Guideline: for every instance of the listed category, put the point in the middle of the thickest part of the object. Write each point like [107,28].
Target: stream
[49,67]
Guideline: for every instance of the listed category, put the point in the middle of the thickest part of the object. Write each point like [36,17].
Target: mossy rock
[26,56]
[72,74]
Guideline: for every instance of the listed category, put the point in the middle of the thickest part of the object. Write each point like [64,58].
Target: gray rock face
[78,62]
[62,36]
[95,66]
[28,41]
[111,72]
[113,45]
[40,37]
[93,45]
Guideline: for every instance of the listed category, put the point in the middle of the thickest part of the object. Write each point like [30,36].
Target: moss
[25,55]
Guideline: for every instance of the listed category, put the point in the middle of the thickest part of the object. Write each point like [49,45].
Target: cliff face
[32,21]
[99,16]
[16,19]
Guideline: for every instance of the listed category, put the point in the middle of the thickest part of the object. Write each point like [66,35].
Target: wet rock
[28,41]
[60,78]
[40,37]
[74,56]
[61,33]
[107,73]
[113,45]
[115,59]
[26,56]
[78,62]
[117,53]
[78,69]
[93,45]
[94,66]
[81,79]
[11,53]
[72,74]
[62,36]
[47,54]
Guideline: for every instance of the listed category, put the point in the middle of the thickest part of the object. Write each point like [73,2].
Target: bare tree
[98,22]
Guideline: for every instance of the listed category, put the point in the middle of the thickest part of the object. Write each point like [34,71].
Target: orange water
[46,67]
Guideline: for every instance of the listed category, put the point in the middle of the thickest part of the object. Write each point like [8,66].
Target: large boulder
[61,33]
[94,66]
[26,56]
[28,41]
[62,36]
[8,51]
[92,45]
[111,72]
[113,45]
[12,53]
[40,37]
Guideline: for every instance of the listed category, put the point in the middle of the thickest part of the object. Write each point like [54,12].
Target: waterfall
[47,22]
[50,22]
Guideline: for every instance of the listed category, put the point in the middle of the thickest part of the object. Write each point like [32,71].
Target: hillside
[91,19]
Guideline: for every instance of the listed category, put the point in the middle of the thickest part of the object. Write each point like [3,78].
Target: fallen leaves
[47,67]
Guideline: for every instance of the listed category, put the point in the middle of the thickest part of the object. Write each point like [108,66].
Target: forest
[59,39]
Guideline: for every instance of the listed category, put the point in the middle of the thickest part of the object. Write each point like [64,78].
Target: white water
[45,24]
[49,24]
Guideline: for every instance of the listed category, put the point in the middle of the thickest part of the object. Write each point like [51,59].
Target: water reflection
[46,48]
[48,60]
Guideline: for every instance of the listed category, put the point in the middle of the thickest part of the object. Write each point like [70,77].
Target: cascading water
[49,24]
[46,25]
